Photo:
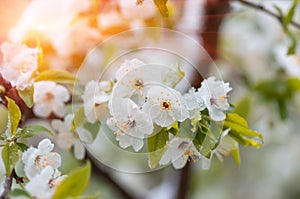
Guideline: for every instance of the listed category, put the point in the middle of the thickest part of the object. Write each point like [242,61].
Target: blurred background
[249,49]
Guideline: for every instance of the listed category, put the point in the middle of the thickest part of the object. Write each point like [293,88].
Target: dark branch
[267,11]
[7,186]
[183,185]
[103,174]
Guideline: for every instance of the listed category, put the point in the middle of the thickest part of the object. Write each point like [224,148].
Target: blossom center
[131,123]
[219,101]
[48,97]
[166,105]
[42,161]
[139,84]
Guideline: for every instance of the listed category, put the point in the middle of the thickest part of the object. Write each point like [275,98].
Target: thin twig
[183,185]
[7,186]
[267,11]
[103,174]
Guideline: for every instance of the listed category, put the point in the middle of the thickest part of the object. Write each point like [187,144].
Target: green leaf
[79,119]
[58,76]
[14,115]
[3,118]
[10,157]
[290,15]
[243,107]
[19,193]
[236,156]
[239,125]
[162,7]
[185,130]
[202,140]
[93,128]
[23,147]
[157,147]
[293,84]
[30,131]
[27,95]
[244,140]
[74,184]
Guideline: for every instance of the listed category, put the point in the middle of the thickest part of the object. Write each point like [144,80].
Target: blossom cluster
[41,168]
[144,98]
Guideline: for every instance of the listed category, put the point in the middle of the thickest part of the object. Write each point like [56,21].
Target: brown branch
[267,11]
[7,185]
[183,185]
[215,11]
[103,174]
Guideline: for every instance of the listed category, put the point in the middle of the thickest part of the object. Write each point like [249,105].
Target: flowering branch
[267,11]
[214,14]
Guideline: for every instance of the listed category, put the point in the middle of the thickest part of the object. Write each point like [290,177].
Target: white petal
[79,150]
[84,135]
[42,110]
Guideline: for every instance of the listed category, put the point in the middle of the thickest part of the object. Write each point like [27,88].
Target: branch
[183,184]
[7,185]
[106,176]
[267,11]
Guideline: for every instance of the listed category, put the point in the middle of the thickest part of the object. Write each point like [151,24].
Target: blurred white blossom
[49,97]
[44,184]
[19,62]
[95,94]
[66,139]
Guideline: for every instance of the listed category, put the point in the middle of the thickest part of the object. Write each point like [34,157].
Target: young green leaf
[27,95]
[243,107]
[30,131]
[239,125]
[58,76]
[290,15]
[19,193]
[244,140]
[157,147]
[3,118]
[74,184]
[23,147]
[236,156]
[10,157]
[79,119]
[14,115]
[162,7]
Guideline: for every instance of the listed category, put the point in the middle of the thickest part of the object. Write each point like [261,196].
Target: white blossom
[19,62]
[214,95]
[44,184]
[37,159]
[66,139]
[49,97]
[95,94]
[136,80]
[128,66]
[165,106]
[179,151]
[193,104]
[129,123]
[76,39]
